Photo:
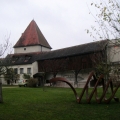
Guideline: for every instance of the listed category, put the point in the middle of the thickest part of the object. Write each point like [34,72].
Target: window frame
[16,70]
[28,70]
[21,70]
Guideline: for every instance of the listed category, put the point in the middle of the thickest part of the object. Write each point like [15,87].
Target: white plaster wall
[113,51]
[69,75]
[114,54]
[35,68]
[45,49]
[25,69]
[30,49]
[2,80]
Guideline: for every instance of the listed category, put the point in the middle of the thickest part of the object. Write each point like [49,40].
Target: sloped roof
[32,36]
[22,58]
[74,50]
[1,61]
[29,58]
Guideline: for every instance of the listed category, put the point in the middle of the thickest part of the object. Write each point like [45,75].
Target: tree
[26,76]
[10,76]
[3,66]
[52,65]
[108,19]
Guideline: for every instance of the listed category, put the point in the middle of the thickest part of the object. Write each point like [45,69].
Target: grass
[53,104]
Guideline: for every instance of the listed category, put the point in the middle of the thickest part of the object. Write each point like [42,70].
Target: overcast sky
[62,22]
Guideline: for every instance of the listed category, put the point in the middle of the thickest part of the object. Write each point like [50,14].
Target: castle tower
[32,40]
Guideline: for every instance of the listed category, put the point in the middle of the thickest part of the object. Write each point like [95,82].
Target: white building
[32,55]
[28,47]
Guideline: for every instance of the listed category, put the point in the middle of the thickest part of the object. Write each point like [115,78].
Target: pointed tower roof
[32,36]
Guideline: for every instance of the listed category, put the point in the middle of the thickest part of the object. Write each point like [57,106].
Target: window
[21,70]
[15,70]
[14,59]
[27,58]
[24,48]
[28,70]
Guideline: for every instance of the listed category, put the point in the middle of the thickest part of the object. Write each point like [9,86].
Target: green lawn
[53,104]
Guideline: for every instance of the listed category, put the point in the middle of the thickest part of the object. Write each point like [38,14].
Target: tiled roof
[32,36]
[75,50]
[29,58]
[22,58]
[1,61]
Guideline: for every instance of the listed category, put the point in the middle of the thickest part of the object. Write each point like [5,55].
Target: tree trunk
[1,98]
[76,81]
[54,76]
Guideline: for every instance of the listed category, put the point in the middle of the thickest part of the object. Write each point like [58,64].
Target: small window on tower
[24,48]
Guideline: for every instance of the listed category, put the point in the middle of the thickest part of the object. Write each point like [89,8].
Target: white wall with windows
[20,69]
[30,69]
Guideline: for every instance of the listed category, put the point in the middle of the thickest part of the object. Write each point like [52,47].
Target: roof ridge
[78,45]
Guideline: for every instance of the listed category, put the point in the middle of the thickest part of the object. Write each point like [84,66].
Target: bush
[32,82]
[115,83]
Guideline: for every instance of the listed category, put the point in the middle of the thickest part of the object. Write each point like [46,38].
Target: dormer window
[14,59]
[27,58]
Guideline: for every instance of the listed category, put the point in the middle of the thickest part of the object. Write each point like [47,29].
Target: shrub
[32,82]
[115,83]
